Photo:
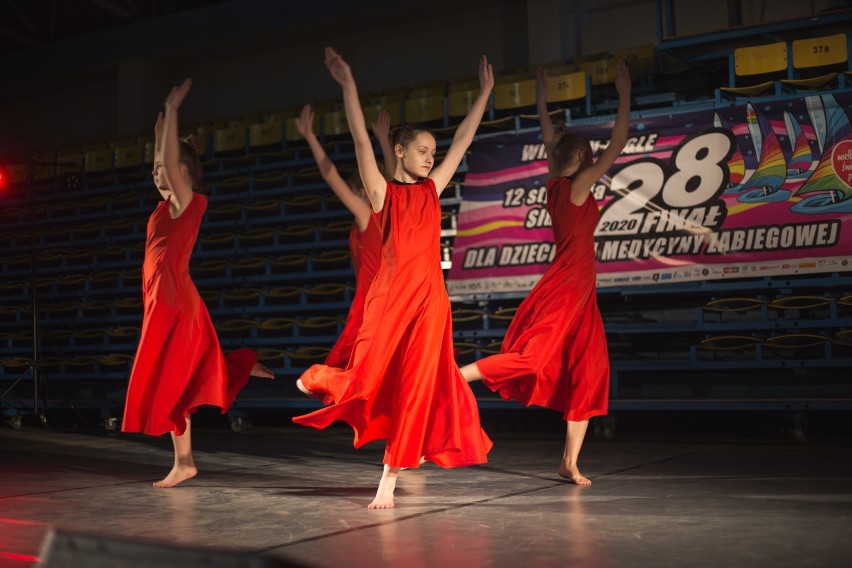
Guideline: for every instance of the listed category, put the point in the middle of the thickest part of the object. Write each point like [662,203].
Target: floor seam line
[117,484]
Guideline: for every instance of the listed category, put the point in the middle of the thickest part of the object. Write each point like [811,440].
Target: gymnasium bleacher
[273,266]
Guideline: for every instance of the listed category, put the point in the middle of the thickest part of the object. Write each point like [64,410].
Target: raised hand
[622,78]
[486,75]
[305,121]
[541,81]
[338,68]
[158,127]
[158,135]
[381,128]
[177,94]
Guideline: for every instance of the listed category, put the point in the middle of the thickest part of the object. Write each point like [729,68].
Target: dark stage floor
[301,496]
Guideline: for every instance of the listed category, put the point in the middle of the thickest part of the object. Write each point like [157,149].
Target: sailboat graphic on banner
[736,163]
[825,191]
[771,172]
[801,160]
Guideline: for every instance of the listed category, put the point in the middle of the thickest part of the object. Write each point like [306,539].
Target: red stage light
[20,557]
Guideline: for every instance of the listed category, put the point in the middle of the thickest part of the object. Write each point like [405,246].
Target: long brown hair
[189,158]
[405,135]
[570,145]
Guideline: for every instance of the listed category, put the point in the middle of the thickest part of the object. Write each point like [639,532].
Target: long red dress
[402,383]
[179,364]
[554,353]
[366,251]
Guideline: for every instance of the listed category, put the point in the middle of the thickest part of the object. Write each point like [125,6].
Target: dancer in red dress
[402,383]
[179,365]
[554,353]
[365,241]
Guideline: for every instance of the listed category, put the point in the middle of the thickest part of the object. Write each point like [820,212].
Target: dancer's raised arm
[170,167]
[547,129]
[443,172]
[158,154]
[374,182]
[158,138]
[357,206]
[381,130]
[617,140]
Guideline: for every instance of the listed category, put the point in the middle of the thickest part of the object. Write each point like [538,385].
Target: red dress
[366,250]
[402,383]
[554,353]
[179,364]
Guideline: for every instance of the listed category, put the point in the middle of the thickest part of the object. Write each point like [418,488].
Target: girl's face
[155,173]
[418,157]
[160,180]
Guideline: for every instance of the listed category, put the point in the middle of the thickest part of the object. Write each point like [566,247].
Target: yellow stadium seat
[148,155]
[566,86]
[98,161]
[291,133]
[602,71]
[70,157]
[334,123]
[265,134]
[810,83]
[127,157]
[229,140]
[322,107]
[328,292]
[461,95]
[760,59]
[824,57]
[820,51]
[424,109]
[640,59]
[464,83]
[372,110]
[389,97]
[252,118]
[235,122]
[460,101]
[514,94]
[201,134]
[287,117]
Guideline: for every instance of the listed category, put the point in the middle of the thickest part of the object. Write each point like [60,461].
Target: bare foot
[381,503]
[572,474]
[177,475]
[262,371]
[384,495]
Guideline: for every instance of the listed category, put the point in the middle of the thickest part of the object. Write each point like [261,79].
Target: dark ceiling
[25,24]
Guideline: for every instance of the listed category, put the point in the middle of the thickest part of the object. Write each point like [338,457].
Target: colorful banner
[741,191]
